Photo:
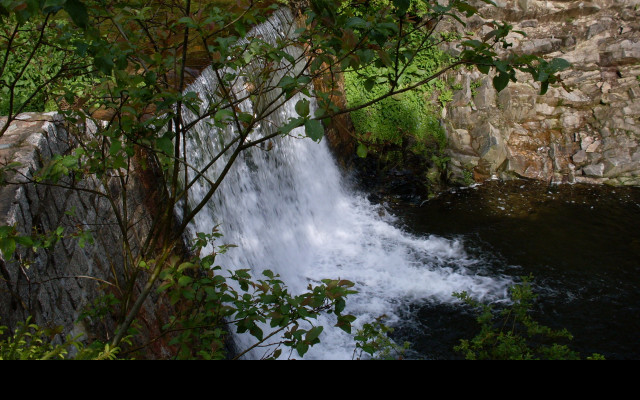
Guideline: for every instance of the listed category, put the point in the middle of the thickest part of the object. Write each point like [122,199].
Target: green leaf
[223,115]
[369,83]
[466,8]
[291,125]
[340,305]
[313,334]
[5,231]
[302,108]
[51,6]
[355,22]
[287,82]
[116,146]
[104,64]
[7,247]
[185,265]
[501,66]
[483,68]
[165,145]
[385,58]
[314,129]
[402,6]
[188,22]
[543,76]
[25,241]
[78,13]
[256,332]
[500,81]
[544,87]
[344,322]
[268,299]
[184,280]
[476,44]
[302,348]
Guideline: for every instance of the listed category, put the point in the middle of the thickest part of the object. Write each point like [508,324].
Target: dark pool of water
[581,244]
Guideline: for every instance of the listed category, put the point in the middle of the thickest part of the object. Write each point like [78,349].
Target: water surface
[581,243]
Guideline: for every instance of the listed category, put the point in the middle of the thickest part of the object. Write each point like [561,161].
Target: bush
[513,334]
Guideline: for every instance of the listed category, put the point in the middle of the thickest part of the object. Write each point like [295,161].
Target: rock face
[586,131]
[55,285]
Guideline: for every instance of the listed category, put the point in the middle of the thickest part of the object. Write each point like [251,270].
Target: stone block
[598,27]
[593,146]
[571,120]
[541,46]
[528,164]
[529,23]
[580,157]
[460,141]
[592,170]
[545,109]
[489,145]
[518,102]
[485,96]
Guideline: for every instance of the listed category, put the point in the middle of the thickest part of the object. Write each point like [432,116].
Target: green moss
[467,177]
[474,87]
[407,121]
[445,97]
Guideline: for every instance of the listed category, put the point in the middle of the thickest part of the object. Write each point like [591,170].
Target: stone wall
[55,285]
[586,131]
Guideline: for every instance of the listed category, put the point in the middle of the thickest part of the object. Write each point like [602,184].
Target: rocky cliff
[586,131]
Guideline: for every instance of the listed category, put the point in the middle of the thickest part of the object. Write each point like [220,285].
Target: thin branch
[262,341]
[8,50]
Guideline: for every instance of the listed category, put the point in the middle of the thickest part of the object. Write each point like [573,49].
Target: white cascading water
[289,210]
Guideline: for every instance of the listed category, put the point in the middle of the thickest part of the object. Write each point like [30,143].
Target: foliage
[467,177]
[123,68]
[39,67]
[210,301]
[484,54]
[394,120]
[515,335]
[474,87]
[207,304]
[406,121]
[373,340]
[10,239]
[32,342]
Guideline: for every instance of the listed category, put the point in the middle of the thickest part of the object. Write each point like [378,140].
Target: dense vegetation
[125,65]
[39,68]
[404,130]
[513,334]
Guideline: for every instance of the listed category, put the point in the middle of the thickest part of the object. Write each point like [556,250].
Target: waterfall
[289,210]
